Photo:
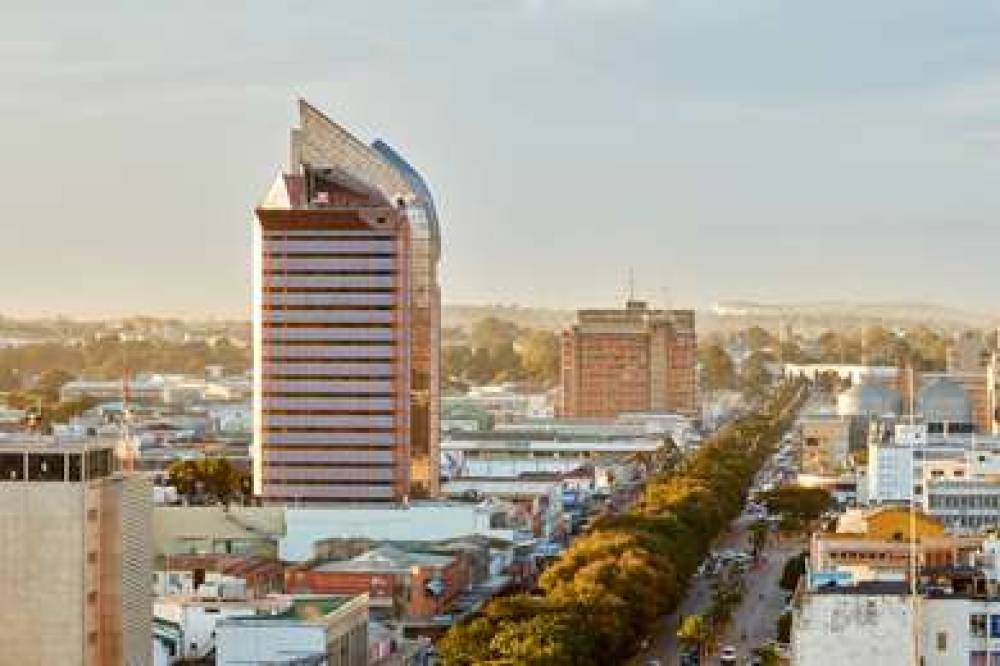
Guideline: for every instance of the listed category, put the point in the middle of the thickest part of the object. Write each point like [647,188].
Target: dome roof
[868,399]
[944,400]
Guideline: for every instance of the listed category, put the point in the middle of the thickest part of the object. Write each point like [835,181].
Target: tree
[455,362]
[208,479]
[491,332]
[768,655]
[541,356]
[759,339]
[798,502]
[50,382]
[794,568]
[604,593]
[758,536]
[695,630]
[784,627]
[717,367]
[756,377]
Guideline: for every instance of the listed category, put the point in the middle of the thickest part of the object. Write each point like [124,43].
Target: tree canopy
[496,350]
[603,595]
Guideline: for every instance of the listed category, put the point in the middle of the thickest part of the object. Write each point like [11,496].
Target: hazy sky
[734,148]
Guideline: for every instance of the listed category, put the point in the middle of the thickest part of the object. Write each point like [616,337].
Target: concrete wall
[41,573]
[831,629]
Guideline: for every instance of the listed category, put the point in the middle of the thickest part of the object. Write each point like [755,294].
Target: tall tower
[346,325]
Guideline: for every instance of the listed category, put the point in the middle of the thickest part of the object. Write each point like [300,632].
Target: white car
[728,655]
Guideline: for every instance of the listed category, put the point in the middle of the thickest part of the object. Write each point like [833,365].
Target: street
[757,615]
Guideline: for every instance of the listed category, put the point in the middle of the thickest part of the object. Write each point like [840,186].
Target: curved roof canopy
[869,399]
[944,400]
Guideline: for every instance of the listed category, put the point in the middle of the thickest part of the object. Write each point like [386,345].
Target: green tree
[759,339]
[717,367]
[798,502]
[541,356]
[208,479]
[759,532]
[794,569]
[768,655]
[695,630]
[50,382]
[756,378]
[784,628]
[491,332]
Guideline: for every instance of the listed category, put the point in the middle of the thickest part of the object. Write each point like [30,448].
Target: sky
[779,150]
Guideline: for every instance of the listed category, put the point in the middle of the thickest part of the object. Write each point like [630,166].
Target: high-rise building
[346,325]
[631,360]
[75,556]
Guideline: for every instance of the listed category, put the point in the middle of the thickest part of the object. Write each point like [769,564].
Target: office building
[75,555]
[631,360]
[346,325]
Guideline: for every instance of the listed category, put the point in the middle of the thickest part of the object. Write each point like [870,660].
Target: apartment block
[631,360]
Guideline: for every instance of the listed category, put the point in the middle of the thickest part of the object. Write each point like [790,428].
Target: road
[757,616]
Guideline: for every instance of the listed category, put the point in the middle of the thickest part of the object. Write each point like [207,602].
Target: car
[690,657]
[727,655]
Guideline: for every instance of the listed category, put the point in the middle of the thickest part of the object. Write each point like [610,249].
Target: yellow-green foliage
[604,593]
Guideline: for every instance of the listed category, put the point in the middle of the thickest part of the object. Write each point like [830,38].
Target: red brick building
[631,360]
[263,576]
[401,586]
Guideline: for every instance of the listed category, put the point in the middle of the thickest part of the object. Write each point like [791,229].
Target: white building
[332,631]
[955,477]
[954,620]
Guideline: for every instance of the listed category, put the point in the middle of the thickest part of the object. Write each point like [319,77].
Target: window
[46,466]
[994,626]
[11,467]
[942,641]
[977,625]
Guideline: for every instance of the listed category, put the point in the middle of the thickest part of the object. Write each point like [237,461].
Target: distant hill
[841,314]
[805,317]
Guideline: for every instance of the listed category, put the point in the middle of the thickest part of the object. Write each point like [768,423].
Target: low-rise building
[401,586]
[825,443]
[320,630]
[253,576]
[196,627]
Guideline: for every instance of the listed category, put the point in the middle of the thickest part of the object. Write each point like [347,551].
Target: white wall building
[332,631]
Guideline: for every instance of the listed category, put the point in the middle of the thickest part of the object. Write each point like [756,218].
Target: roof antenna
[631,284]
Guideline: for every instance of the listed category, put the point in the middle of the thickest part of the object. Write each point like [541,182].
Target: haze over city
[836,151]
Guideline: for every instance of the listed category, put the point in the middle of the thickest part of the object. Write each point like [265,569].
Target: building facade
[631,360]
[312,630]
[346,325]
[825,443]
[75,557]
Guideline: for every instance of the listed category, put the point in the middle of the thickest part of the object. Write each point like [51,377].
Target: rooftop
[385,558]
